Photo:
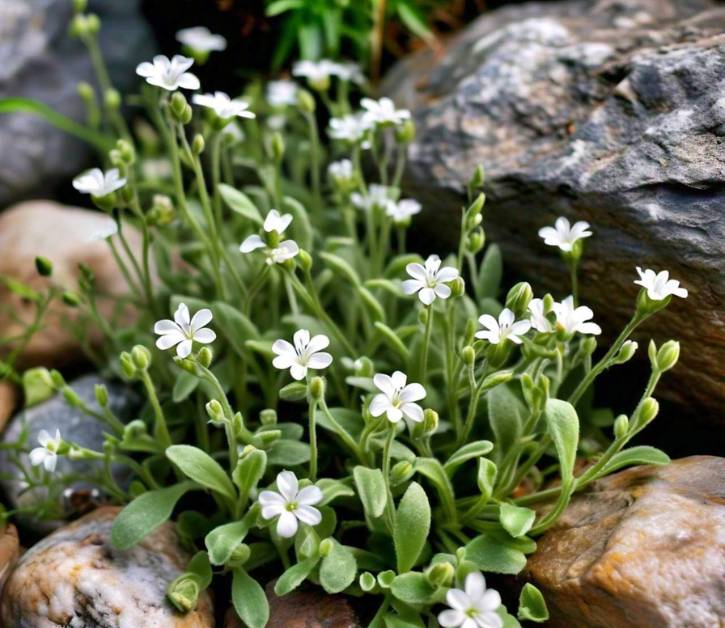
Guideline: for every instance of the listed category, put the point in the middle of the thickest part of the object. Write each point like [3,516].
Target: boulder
[8,401]
[9,551]
[39,60]
[64,235]
[75,577]
[74,426]
[599,110]
[643,547]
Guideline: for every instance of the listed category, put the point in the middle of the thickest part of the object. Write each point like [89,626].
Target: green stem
[313,441]
[390,508]
[426,343]
[161,430]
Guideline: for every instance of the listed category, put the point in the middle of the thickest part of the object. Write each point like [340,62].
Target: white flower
[223,106]
[107,230]
[377,196]
[316,72]
[340,170]
[473,608]
[396,399]
[659,285]
[429,280]
[505,328]
[201,39]
[291,504]
[574,319]
[538,319]
[275,255]
[403,210]
[305,354]
[169,74]
[281,93]
[563,235]
[348,71]
[47,453]
[99,183]
[183,330]
[383,111]
[349,128]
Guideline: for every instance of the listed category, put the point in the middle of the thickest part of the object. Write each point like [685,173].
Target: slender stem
[426,343]
[390,508]
[161,430]
[313,440]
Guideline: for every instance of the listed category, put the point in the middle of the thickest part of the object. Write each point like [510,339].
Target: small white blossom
[284,250]
[340,170]
[505,328]
[396,399]
[201,39]
[99,183]
[290,504]
[184,330]
[429,281]
[349,71]
[169,74]
[349,128]
[659,285]
[223,106]
[575,319]
[317,73]
[377,196]
[47,453]
[538,319]
[473,607]
[282,93]
[563,235]
[383,111]
[107,230]
[306,353]
[403,210]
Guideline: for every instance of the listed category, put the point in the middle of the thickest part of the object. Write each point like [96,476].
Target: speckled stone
[9,551]
[8,401]
[74,426]
[642,548]
[75,578]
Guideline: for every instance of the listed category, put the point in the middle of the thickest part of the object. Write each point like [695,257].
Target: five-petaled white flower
[284,250]
[306,353]
[505,328]
[403,210]
[659,285]
[564,235]
[396,399]
[377,196]
[349,71]
[349,128]
[429,281]
[340,170]
[281,93]
[291,504]
[575,319]
[317,73]
[169,74]
[383,111]
[474,607]
[108,229]
[184,330]
[201,39]
[223,106]
[99,183]
[538,318]
[47,453]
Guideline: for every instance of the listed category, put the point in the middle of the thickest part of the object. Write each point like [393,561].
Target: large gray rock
[643,547]
[39,60]
[74,426]
[607,111]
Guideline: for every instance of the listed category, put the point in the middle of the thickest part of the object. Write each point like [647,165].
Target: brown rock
[9,552]
[8,401]
[60,234]
[303,608]
[644,547]
[75,577]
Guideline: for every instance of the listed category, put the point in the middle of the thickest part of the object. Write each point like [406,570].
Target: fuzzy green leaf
[490,273]
[332,489]
[295,576]
[486,477]
[412,525]
[223,540]
[505,412]
[371,490]
[642,454]
[202,468]
[532,606]
[249,599]
[490,555]
[341,268]
[563,425]
[467,452]
[516,520]
[240,203]
[338,569]
[249,471]
[412,588]
[288,453]
[234,325]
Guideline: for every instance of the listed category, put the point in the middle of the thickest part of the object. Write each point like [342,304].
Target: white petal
[283,362]
[273,510]
[394,414]
[201,319]
[416,271]
[490,620]
[271,498]
[488,321]
[489,601]
[165,326]
[44,437]
[188,81]
[50,461]
[205,336]
[475,585]
[589,328]
[287,525]
[318,343]
[301,339]
[451,618]
[412,411]
[181,316]
[384,384]
[298,371]
[287,485]
[506,318]
[319,360]
[169,340]
[399,379]
[427,296]
[282,347]
[309,515]
[455,598]
[447,273]
[309,496]
[252,243]
[38,455]
[379,405]
[442,291]
[412,392]
[184,349]
[411,286]
[519,328]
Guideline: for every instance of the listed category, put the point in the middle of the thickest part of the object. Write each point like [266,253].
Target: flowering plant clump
[323,402]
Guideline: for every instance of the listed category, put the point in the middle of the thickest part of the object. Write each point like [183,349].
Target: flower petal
[318,343]
[427,296]
[183,350]
[412,392]
[489,601]
[252,243]
[451,618]
[379,405]
[455,598]
[412,411]
[475,585]
[201,319]
[287,485]
[319,360]
[298,371]
[181,316]
[309,515]
[282,347]
[394,414]
[270,498]
[309,496]
[384,384]
[205,336]
[287,525]
[165,326]
[169,340]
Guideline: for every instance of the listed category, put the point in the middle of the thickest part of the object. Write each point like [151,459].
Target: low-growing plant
[324,404]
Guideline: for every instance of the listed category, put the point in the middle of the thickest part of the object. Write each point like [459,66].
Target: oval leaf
[371,489]
[249,600]
[412,525]
[516,520]
[202,468]
[338,569]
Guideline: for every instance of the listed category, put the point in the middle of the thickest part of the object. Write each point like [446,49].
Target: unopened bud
[278,146]
[266,438]
[326,546]
[197,144]
[57,379]
[305,260]
[71,397]
[621,426]
[519,297]
[185,364]
[215,412]
[93,23]
[475,209]
[668,355]
[240,555]
[364,367]
[177,104]
[650,408]
[430,421]
[183,593]
[470,330]
[477,179]
[317,388]
[401,472]
[458,287]
[205,356]
[405,133]
[626,352]
[101,393]
[85,91]
[476,241]
[71,299]
[44,266]
[112,99]
[468,355]
[305,101]
[493,380]
[128,368]
[440,574]
[141,357]
[126,150]
[268,416]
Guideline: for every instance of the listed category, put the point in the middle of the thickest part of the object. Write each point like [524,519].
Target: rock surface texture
[644,547]
[75,577]
[64,235]
[39,60]
[599,110]
[8,401]
[9,552]
[74,426]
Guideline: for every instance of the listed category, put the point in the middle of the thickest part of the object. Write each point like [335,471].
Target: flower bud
[268,416]
[477,179]
[240,555]
[112,99]
[440,574]
[401,472]
[476,241]
[71,397]
[626,352]
[57,379]
[266,438]
[668,355]
[430,421]
[305,260]
[128,368]
[493,380]
[93,24]
[317,388]
[86,93]
[468,355]
[423,315]
[162,211]
[205,356]
[364,367]
[141,357]
[621,426]
[278,146]
[185,364]
[178,104]
[405,133]
[197,144]
[470,330]
[326,546]
[79,5]
[126,150]
[71,299]
[101,393]
[38,386]
[367,582]
[183,593]
[215,412]
[305,101]
[652,353]
[458,287]
[293,392]
[518,298]
[649,410]
[44,266]
[474,210]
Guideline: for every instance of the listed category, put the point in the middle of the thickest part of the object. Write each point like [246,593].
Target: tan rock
[61,234]
[644,547]
[75,577]
[303,608]
[9,552]
[8,401]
